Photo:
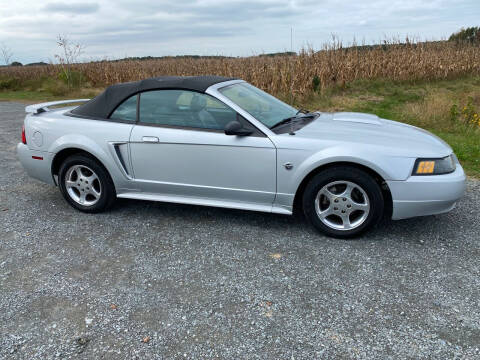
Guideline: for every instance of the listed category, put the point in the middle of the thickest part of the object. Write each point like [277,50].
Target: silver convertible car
[215,141]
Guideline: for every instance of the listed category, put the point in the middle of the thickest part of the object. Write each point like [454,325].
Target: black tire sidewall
[352,174]
[108,193]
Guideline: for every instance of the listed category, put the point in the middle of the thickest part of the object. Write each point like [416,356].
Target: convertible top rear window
[127,111]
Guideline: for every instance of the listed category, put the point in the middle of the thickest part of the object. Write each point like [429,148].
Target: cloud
[71,8]
[115,28]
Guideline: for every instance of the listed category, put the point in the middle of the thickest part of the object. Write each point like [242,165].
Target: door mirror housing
[236,128]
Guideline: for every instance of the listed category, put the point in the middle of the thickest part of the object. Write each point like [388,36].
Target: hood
[391,137]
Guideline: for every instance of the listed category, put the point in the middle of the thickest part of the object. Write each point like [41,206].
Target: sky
[120,28]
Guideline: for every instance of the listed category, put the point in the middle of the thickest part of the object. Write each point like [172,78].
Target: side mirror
[235,128]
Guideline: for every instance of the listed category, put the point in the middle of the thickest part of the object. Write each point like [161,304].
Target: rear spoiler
[43,107]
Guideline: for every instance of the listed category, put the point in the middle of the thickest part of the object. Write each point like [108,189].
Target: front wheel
[86,184]
[343,202]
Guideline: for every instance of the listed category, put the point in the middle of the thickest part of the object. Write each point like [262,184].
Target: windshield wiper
[284,121]
[299,116]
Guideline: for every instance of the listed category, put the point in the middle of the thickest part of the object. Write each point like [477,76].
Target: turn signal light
[425,167]
[24,138]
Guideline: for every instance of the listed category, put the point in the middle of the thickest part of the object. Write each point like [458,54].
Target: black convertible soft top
[104,104]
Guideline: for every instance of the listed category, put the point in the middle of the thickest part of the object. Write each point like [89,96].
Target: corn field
[308,71]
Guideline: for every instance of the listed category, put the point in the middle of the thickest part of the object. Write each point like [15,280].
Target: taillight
[24,138]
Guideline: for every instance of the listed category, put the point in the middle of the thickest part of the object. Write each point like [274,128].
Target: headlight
[445,165]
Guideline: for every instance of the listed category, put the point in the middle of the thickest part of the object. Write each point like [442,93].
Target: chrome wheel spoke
[358,206]
[94,193]
[346,224]
[327,212]
[78,172]
[92,178]
[70,184]
[328,194]
[81,200]
[348,191]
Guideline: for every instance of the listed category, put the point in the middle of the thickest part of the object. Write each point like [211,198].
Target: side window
[184,108]
[126,111]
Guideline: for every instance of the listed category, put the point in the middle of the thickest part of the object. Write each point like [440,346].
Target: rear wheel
[343,202]
[86,184]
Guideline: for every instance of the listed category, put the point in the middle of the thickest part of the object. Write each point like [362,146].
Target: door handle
[150,139]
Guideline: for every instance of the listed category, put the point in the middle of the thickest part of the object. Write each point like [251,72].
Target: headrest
[198,102]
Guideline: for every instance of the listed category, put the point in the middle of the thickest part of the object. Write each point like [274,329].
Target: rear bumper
[427,195]
[38,164]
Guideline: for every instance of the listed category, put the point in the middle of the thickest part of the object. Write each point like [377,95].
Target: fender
[84,143]
[382,165]
[80,142]
[309,160]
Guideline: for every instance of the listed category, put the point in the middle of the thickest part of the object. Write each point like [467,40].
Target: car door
[179,148]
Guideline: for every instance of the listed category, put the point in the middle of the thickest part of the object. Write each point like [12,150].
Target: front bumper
[427,195]
[38,164]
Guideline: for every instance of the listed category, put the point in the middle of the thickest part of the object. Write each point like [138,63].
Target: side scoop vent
[119,151]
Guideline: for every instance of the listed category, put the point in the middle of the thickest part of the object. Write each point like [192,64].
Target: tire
[85,184]
[343,202]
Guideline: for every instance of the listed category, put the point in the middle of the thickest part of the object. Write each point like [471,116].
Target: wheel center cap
[343,204]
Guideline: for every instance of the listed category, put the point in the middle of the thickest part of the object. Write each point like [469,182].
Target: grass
[42,89]
[28,96]
[427,104]
[31,96]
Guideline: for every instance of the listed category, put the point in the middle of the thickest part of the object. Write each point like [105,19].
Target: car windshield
[262,106]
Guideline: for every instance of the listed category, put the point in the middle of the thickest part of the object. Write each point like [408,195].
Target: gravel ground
[156,280]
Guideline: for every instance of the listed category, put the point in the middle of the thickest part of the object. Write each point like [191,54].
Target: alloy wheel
[342,205]
[83,185]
